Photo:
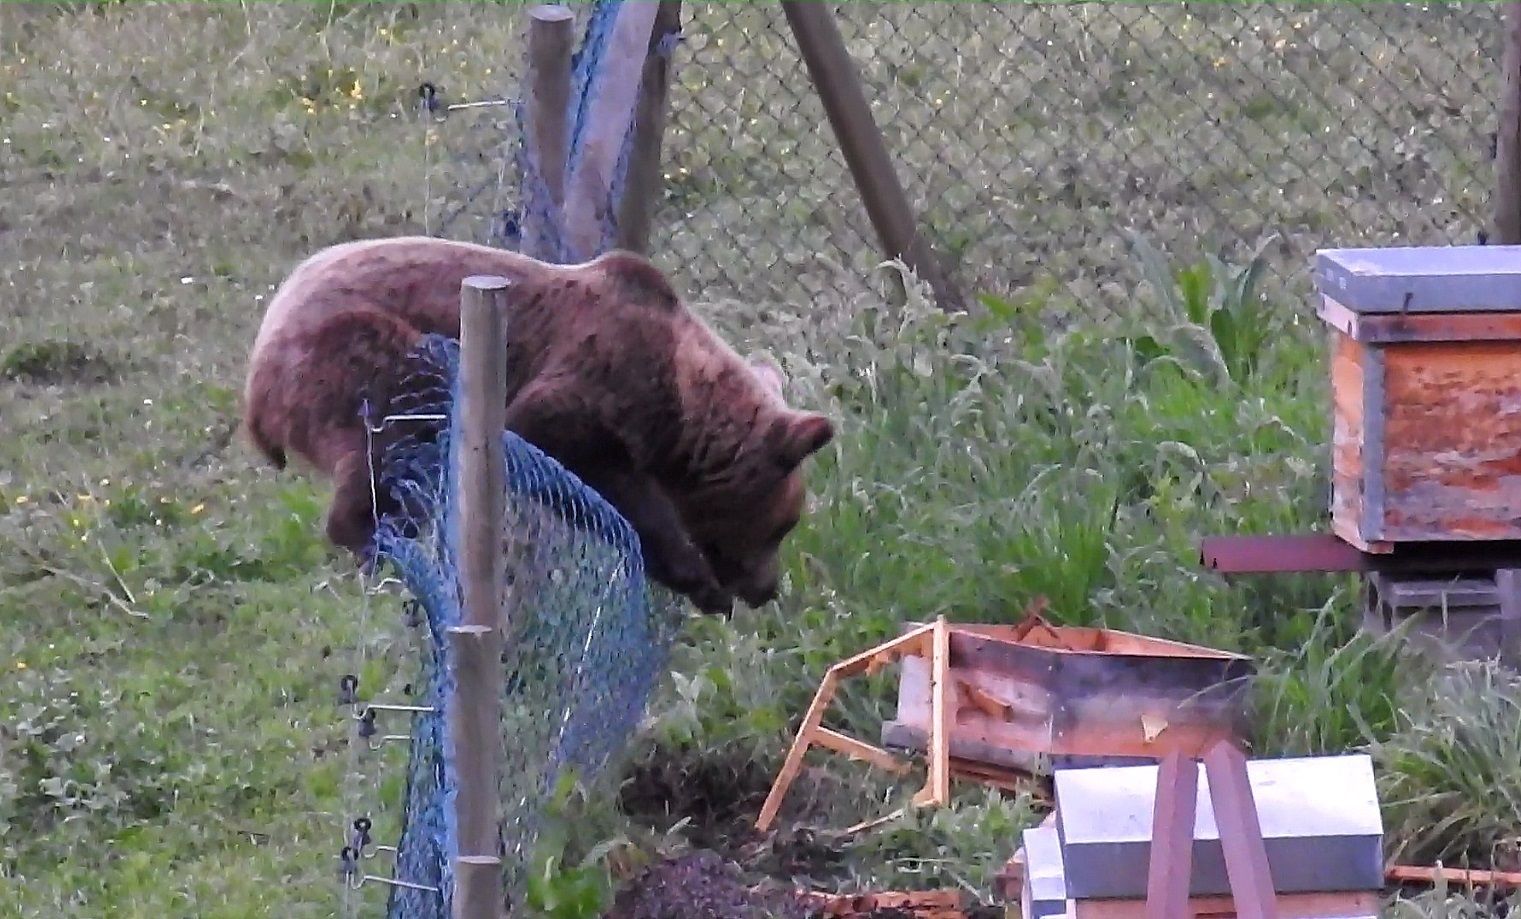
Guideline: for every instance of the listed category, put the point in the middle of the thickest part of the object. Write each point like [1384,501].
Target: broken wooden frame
[921,904]
[636,59]
[932,641]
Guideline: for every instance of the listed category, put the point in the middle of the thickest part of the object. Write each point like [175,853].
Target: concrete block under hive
[1457,617]
[1028,695]
[1319,816]
[1426,393]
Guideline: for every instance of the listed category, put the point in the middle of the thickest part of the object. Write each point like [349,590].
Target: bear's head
[739,520]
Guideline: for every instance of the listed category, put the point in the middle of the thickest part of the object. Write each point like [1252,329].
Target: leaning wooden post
[1508,135]
[839,87]
[551,36]
[1235,807]
[642,185]
[476,643]
[609,114]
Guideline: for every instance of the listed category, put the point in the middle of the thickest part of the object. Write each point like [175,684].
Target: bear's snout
[756,597]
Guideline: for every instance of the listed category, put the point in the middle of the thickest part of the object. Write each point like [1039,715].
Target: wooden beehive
[1426,393]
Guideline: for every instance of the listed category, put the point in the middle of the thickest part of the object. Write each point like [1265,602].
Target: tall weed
[1450,775]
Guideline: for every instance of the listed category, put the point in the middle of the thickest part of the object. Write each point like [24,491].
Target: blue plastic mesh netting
[587,641]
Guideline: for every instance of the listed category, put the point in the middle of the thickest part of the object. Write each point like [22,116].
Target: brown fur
[608,372]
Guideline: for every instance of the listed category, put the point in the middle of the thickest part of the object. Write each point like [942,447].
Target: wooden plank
[839,88]
[938,789]
[1413,874]
[1235,809]
[1452,441]
[912,642]
[1437,592]
[588,187]
[1014,780]
[985,702]
[1346,436]
[1372,527]
[794,761]
[1508,587]
[1072,639]
[1508,135]
[1405,328]
[476,643]
[1018,719]
[642,184]
[923,904]
[858,750]
[1339,317]
[1172,838]
[1353,905]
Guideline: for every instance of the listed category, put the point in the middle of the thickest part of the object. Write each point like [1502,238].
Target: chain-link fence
[1030,136]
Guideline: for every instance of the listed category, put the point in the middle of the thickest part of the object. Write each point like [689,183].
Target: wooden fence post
[551,36]
[839,87]
[1508,135]
[608,116]
[476,643]
[642,185]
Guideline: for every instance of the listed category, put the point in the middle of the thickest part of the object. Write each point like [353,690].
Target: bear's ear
[798,435]
[634,277]
[769,372]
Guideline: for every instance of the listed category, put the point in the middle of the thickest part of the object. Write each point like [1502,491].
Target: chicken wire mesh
[1030,136]
[585,643]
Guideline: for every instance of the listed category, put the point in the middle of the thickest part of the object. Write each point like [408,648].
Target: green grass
[169,739]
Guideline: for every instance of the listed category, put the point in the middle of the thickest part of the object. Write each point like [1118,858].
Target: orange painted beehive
[1426,393]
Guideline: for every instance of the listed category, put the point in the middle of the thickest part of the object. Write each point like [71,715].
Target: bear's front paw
[698,585]
[713,600]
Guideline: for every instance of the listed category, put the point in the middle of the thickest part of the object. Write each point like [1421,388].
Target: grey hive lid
[1422,279]
[1320,819]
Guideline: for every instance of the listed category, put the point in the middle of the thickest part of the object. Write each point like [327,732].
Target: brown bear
[609,372]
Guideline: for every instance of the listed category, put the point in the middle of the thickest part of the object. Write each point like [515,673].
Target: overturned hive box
[1034,694]
[1426,393]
